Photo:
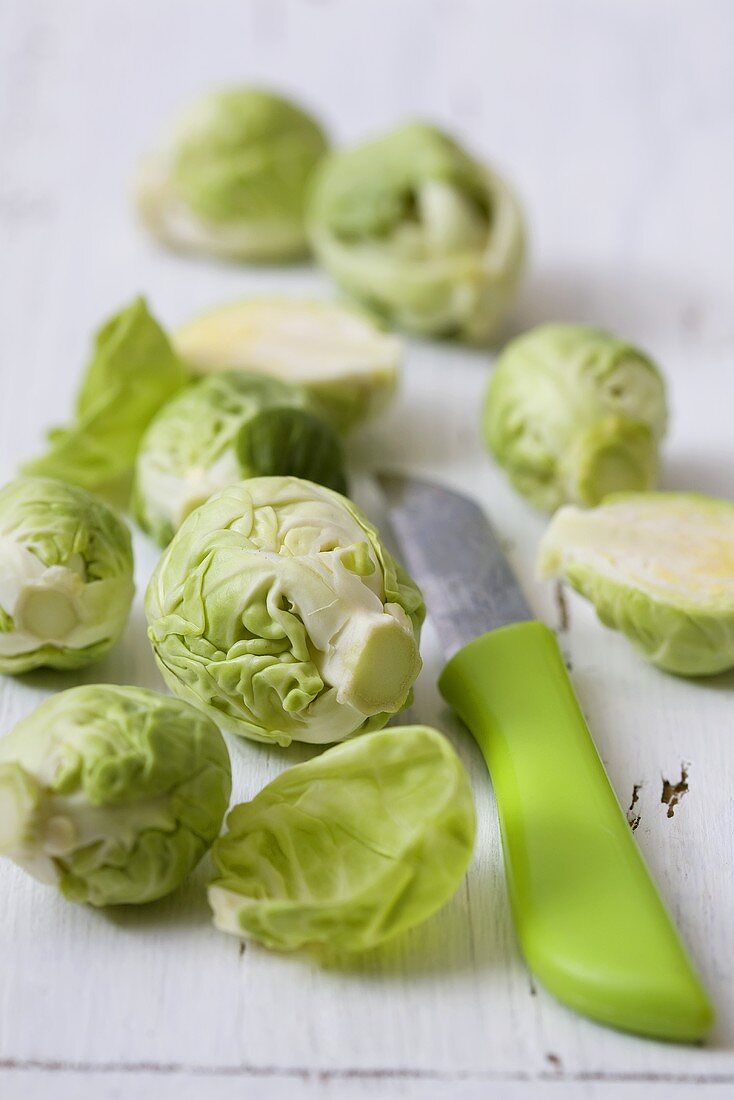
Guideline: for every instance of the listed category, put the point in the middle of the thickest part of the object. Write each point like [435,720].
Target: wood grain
[616,121]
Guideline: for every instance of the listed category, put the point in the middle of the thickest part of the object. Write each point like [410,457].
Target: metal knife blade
[449,547]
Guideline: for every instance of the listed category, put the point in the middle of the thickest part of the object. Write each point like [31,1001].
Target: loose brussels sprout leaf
[573,414]
[224,429]
[132,373]
[232,179]
[112,793]
[348,366]
[66,576]
[415,229]
[349,849]
[657,566]
[277,610]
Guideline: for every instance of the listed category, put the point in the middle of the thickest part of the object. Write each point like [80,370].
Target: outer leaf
[349,849]
[657,566]
[112,793]
[133,372]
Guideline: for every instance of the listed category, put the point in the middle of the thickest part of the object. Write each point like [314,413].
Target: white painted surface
[615,118]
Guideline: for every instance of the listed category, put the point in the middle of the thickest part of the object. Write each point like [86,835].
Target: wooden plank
[615,120]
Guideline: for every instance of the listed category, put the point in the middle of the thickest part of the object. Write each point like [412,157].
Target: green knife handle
[590,922]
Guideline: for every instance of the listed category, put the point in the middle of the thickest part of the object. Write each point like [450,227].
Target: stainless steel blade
[453,554]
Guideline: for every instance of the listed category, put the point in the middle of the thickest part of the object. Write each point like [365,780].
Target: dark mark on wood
[242,948]
[673,793]
[632,817]
[357,1073]
[564,619]
[554,1060]
[533,986]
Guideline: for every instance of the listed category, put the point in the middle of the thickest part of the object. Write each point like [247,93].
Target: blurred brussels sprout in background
[112,793]
[347,364]
[231,180]
[277,610]
[224,429]
[573,414]
[66,576]
[133,372]
[657,566]
[418,231]
[349,849]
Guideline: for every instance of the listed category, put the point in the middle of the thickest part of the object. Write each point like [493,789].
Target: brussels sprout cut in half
[349,849]
[415,229]
[573,414]
[231,181]
[348,365]
[277,610]
[133,372]
[66,576]
[224,429]
[657,566]
[112,793]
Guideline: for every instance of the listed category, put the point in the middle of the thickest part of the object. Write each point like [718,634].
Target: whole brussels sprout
[66,576]
[132,373]
[232,179]
[418,231]
[657,566]
[349,849]
[225,429]
[277,610]
[573,414]
[112,793]
[346,363]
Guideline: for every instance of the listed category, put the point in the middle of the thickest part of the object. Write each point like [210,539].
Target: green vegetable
[657,566]
[66,576]
[573,414]
[348,365]
[349,849]
[224,429]
[277,610]
[232,179]
[132,373]
[112,793]
[418,231]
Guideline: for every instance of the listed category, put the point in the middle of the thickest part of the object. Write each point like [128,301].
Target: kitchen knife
[590,922]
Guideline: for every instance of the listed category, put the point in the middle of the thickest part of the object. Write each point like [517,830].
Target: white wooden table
[615,118]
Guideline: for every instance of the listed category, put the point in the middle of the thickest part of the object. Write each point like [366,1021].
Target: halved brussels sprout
[277,610]
[66,576]
[225,429]
[231,180]
[657,566]
[112,793]
[347,364]
[573,414]
[349,849]
[133,372]
[418,231]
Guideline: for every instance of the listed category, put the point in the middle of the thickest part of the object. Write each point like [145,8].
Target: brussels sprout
[657,566]
[112,793]
[348,365]
[418,231]
[232,179]
[277,610]
[66,576]
[132,373]
[225,429]
[573,414]
[349,849]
